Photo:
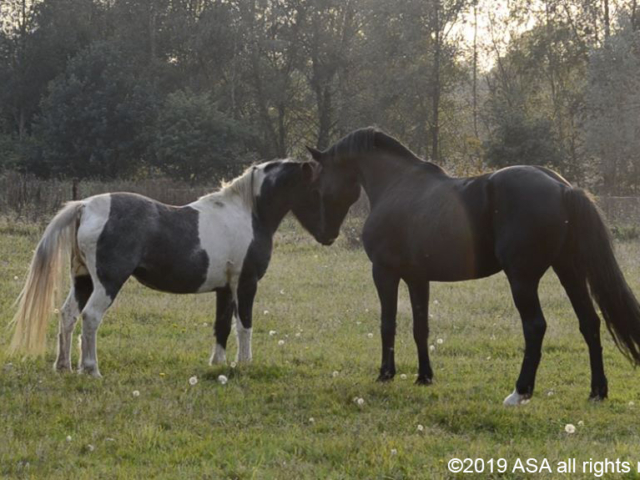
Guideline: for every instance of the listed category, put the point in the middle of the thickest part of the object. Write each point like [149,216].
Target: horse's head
[333,190]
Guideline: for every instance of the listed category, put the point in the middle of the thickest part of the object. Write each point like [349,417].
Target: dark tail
[593,255]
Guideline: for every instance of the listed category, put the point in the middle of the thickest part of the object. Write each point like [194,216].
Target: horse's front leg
[419,293]
[225,308]
[246,295]
[386,283]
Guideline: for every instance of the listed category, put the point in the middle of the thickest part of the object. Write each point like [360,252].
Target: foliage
[93,119]
[530,86]
[192,140]
[522,140]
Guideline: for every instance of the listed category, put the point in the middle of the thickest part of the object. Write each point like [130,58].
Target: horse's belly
[457,263]
[186,275]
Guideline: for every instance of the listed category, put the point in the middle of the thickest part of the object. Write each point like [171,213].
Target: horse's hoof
[597,397]
[422,380]
[516,399]
[93,372]
[62,368]
[385,377]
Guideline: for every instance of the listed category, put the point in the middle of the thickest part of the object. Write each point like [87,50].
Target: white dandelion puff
[570,428]
[193,380]
[335,374]
[272,333]
[370,335]
[581,423]
[420,428]
[15,278]
[360,402]
[632,403]
[90,448]
[440,341]
[233,364]
[550,393]
[312,420]
[403,376]
[432,348]
[56,311]
[69,438]
[394,451]
[135,393]
[266,312]
[222,380]
[280,343]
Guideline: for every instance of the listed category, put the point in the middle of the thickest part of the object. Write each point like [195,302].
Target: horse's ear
[311,170]
[315,153]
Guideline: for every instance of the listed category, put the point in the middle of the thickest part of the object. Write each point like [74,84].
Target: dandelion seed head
[440,341]
[222,380]
[432,348]
[135,393]
[272,333]
[370,335]
[570,428]
[403,376]
[420,428]
[335,374]
[581,423]
[280,343]
[266,312]
[193,380]
[360,402]
[90,448]
[69,438]
[394,451]
[312,420]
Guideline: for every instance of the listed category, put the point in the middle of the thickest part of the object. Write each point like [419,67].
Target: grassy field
[288,415]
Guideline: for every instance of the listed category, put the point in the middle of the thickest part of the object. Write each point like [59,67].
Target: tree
[613,120]
[192,140]
[94,118]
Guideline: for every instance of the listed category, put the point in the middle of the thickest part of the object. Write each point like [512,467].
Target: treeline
[193,89]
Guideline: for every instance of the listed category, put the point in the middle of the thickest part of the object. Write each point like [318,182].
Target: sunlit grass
[287,415]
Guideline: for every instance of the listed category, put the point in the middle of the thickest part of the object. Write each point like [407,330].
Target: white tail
[36,301]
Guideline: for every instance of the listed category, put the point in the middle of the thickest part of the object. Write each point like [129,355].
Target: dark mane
[366,140]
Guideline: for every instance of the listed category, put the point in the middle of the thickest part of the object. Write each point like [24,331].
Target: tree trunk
[475,68]
[607,23]
[435,125]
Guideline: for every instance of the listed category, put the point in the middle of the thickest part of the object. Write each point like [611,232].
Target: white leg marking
[244,342]
[219,355]
[516,399]
[68,318]
[91,319]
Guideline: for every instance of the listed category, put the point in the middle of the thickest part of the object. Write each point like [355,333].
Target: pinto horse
[221,242]
[426,226]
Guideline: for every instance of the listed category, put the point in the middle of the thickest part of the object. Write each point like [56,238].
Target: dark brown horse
[427,226]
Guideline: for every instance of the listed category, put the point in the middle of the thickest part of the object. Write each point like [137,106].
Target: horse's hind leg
[225,308]
[76,300]
[575,285]
[525,296]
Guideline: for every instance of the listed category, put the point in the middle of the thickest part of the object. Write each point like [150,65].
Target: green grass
[258,424]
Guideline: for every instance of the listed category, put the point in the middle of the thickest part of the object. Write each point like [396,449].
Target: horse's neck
[270,213]
[378,172]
